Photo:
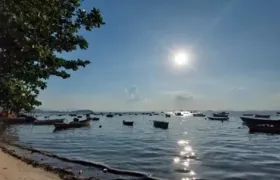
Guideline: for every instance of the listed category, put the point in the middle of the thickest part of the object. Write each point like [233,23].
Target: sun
[180,59]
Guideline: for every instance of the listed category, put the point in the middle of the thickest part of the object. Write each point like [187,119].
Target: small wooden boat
[161,124]
[95,118]
[218,118]
[128,123]
[73,124]
[48,122]
[254,121]
[110,115]
[167,115]
[264,128]
[198,115]
[262,116]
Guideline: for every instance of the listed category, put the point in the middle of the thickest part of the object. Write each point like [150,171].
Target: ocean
[192,147]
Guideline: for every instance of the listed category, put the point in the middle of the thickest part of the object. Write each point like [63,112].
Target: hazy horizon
[232,49]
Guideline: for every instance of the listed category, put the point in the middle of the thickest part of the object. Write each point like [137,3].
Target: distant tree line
[32,35]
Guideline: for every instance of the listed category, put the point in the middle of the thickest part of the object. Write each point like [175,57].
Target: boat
[254,121]
[247,114]
[73,124]
[72,115]
[264,128]
[109,115]
[48,122]
[79,116]
[167,115]
[262,116]
[198,115]
[223,114]
[95,118]
[218,118]
[178,114]
[161,124]
[128,123]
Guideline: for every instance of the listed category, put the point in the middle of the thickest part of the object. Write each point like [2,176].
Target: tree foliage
[32,34]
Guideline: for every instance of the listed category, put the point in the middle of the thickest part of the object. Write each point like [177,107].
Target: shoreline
[103,172]
[12,168]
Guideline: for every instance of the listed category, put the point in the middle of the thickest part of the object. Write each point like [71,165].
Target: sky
[232,49]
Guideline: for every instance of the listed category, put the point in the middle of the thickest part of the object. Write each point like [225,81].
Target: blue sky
[233,49]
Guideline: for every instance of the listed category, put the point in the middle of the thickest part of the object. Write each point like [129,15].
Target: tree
[33,33]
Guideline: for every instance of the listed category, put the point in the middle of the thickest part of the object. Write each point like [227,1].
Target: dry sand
[14,169]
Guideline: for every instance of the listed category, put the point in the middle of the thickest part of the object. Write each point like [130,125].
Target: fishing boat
[110,115]
[73,124]
[254,121]
[198,115]
[218,118]
[95,118]
[262,116]
[161,124]
[167,115]
[128,123]
[79,116]
[264,128]
[72,115]
[178,114]
[48,122]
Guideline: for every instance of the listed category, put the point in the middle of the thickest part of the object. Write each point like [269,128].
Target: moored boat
[218,118]
[95,118]
[17,120]
[109,115]
[254,121]
[73,124]
[128,123]
[48,122]
[222,114]
[247,114]
[161,124]
[198,115]
[167,115]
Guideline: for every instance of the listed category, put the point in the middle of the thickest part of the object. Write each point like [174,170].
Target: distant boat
[262,116]
[161,124]
[46,117]
[167,115]
[109,115]
[218,118]
[254,121]
[95,118]
[178,114]
[264,128]
[128,123]
[79,116]
[73,124]
[198,115]
[247,114]
[48,122]
[73,115]
[222,114]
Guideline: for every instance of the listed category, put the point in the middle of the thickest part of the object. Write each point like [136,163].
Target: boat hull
[161,124]
[128,123]
[218,118]
[264,128]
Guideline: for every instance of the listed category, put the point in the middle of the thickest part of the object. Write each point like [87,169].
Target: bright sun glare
[181,58]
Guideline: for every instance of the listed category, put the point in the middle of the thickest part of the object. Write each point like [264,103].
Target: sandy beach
[14,169]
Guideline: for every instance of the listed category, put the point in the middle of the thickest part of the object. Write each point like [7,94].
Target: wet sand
[14,169]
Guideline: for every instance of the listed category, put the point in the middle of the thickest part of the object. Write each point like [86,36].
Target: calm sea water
[192,147]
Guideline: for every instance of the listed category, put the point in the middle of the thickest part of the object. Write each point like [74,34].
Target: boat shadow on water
[56,130]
